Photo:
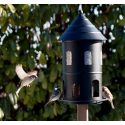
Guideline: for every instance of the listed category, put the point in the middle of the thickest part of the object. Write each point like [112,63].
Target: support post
[82,112]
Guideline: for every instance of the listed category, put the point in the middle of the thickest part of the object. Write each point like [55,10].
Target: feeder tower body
[82,71]
[82,62]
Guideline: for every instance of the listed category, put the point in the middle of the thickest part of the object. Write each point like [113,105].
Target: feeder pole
[82,112]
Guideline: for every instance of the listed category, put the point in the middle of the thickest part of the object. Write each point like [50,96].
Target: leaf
[13,98]
[44,84]
[42,59]
[23,60]
[24,6]
[54,27]
[110,22]
[5,105]
[51,113]
[116,32]
[19,116]
[22,94]
[12,22]
[43,95]
[12,8]
[46,113]
[41,113]
[10,87]
[1,9]
[13,45]
[12,59]
[1,63]
[121,22]
[30,90]
[55,109]
[12,72]
[31,63]
[60,83]
[4,27]
[2,21]
[5,55]
[38,97]
[25,115]
[4,13]
[1,113]
[30,104]
[26,99]
[53,75]
[59,67]
[41,76]
[50,86]
[123,72]
[21,33]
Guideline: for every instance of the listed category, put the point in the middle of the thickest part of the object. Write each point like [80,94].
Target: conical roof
[81,29]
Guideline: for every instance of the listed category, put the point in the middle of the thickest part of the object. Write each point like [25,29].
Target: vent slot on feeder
[95,88]
[76,90]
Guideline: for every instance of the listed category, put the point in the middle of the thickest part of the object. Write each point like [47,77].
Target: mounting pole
[82,112]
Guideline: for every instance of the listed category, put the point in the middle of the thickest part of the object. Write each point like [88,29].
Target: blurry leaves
[121,22]
[1,63]
[1,114]
[10,87]
[59,108]
[46,113]
[10,71]
[109,22]
[123,72]
[42,59]
[21,33]
[53,75]
[44,84]
[38,96]
[5,105]
[54,27]
[3,16]
[41,76]
[19,116]
[59,67]
[5,55]
[116,32]
[13,99]
[1,10]
[13,45]
[18,24]
[22,94]
[12,8]
[31,63]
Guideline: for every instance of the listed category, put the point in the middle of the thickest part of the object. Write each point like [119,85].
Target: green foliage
[1,114]
[24,40]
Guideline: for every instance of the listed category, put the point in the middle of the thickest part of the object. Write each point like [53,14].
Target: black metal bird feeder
[82,62]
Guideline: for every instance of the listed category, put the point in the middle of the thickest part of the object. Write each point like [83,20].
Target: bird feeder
[82,62]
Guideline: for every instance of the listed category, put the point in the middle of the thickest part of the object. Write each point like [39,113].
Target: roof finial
[80,12]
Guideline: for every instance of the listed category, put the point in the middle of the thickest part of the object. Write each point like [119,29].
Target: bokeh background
[28,35]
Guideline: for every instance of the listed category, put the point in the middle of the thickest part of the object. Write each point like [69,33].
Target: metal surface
[68,102]
[81,29]
[82,62]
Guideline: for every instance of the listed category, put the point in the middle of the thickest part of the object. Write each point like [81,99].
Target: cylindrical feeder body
[82,62]
[82,71]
